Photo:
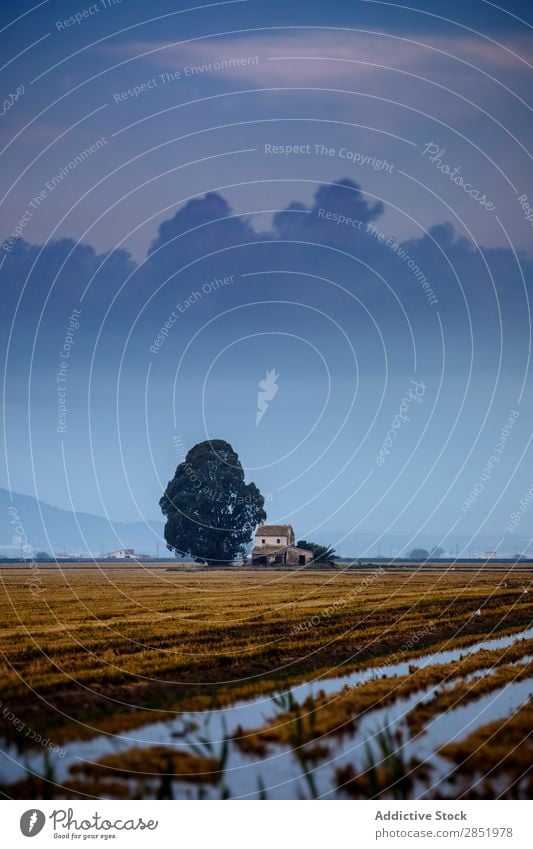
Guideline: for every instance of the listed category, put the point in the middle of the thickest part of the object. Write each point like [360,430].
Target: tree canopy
[418,554]
[211,512]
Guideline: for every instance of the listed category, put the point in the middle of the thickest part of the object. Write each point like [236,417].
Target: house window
[278,541]
[263,541]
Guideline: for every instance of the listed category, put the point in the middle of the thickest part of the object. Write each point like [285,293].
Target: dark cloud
[339,236]
[344,199]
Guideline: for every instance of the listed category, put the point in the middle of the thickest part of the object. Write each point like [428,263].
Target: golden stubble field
[87,649]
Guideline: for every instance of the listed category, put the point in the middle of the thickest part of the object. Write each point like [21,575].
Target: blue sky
[336,164]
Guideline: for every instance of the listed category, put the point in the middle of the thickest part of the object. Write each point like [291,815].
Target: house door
[301,560]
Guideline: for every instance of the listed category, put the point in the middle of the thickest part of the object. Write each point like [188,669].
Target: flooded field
[350,684]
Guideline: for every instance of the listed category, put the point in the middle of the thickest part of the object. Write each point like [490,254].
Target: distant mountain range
[26,520]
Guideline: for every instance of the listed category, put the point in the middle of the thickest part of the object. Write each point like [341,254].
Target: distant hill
[50,529]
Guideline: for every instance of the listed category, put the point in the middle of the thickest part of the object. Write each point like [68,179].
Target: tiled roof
[259,550]
[274,531]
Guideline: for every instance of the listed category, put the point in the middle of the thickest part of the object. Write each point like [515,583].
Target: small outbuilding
[276,545]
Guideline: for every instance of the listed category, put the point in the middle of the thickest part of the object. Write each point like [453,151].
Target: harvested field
[190,668]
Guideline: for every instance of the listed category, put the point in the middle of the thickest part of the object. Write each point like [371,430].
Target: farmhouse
[275,544]
[121,554]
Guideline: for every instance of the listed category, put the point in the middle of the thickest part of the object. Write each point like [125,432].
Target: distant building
[121,554]
[489,555]
[275,544]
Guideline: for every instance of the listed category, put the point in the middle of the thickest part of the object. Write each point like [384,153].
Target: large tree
[211,512]
[418,554]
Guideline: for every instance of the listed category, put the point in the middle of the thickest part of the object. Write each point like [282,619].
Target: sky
[337,195]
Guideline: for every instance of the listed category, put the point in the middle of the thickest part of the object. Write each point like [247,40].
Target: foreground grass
[107,649]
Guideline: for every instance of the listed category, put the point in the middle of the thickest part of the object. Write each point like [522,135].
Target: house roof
[274,531]
[263,550]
